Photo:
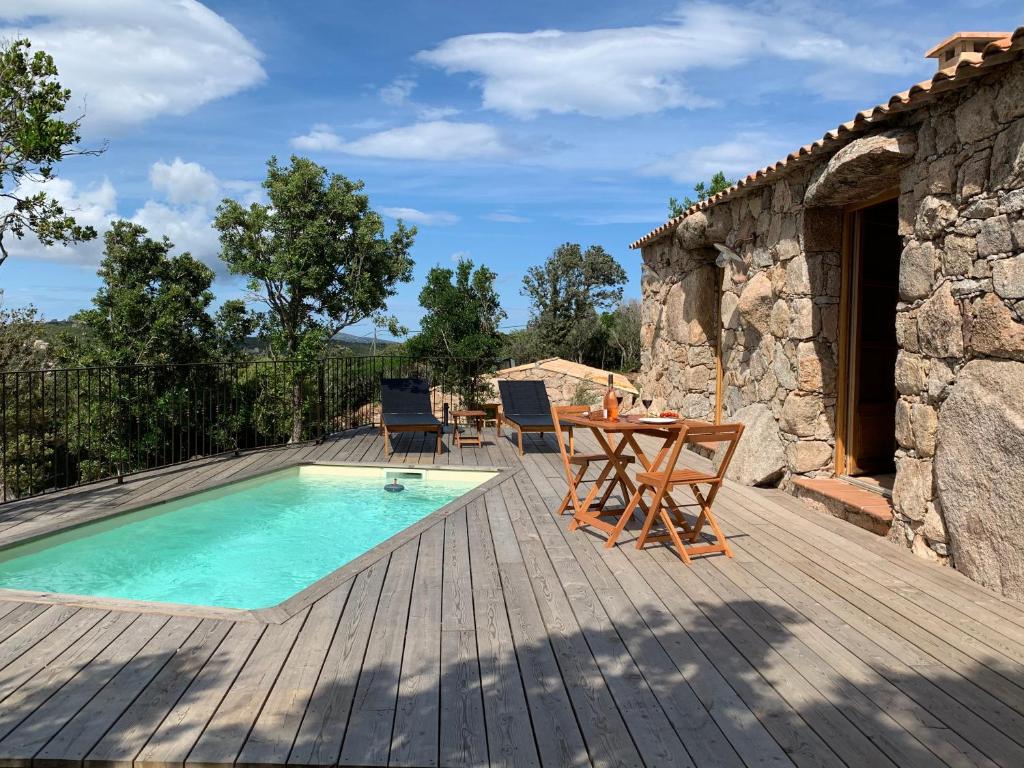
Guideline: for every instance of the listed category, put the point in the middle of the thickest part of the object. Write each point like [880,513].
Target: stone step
[866,509]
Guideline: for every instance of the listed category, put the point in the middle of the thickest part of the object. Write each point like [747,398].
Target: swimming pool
[247,545]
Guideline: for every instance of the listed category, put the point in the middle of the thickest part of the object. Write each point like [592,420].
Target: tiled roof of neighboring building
[995,53]
[576,370]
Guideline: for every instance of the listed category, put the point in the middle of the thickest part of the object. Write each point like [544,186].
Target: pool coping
[286,609]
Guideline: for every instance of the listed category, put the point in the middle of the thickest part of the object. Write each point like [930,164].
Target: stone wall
[959,164]
[960,326]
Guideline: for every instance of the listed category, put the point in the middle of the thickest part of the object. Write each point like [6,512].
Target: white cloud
[626,71]
[431,140]
[129,61]
[94,206]
[505,218]
[321,138]
[185,215]
[459,256]
[435,113]
[737,156]
[416,216]
[188,227]
[184,182]
[397,92]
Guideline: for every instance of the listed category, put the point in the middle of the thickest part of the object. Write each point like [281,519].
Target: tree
[567,293]
[34,138]
[718,184]
[152,307]
[459,332]
[317,256]
[20,342]
[624,333]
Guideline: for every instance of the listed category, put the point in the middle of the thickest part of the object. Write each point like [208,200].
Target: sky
[500,130]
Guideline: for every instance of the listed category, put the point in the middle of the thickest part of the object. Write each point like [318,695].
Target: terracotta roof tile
[995,53]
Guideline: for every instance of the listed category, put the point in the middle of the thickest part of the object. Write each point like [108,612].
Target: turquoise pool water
[248,545]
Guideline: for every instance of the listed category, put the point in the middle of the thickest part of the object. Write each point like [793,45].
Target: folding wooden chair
[683,535]
[577,465]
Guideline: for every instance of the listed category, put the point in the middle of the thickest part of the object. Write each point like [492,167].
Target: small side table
[470,417]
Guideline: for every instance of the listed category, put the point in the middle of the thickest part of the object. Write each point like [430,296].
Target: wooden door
[874,292]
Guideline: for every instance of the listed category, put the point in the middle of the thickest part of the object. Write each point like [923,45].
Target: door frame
[846,383]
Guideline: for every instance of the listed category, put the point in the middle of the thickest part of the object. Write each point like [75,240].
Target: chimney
[963,46]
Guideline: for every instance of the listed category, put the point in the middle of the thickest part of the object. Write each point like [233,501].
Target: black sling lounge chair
[405,407]
[525,406]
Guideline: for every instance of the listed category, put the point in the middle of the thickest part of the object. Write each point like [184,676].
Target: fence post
[320,404]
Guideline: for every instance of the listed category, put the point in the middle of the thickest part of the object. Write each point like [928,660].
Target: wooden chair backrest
[713,436]
[557,412]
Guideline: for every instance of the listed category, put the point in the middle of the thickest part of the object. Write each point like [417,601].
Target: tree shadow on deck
[694,670]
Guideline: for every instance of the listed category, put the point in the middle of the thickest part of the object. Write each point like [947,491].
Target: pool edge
[286,609]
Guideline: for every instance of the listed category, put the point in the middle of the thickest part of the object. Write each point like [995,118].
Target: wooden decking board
[180,728]
[695,727]
[917,648]
[20,617]
[228,729]
[882,652]
[994,632]
[510,737]
[273,733]
[604,730]
[497,637]
[926,728]
[49,679]
[79,735]
[415,739]
[35,731]
[48,647]
[33,632]
[977,642]
[463,730]
[125,739]
[702,731]
[322,731]
[948,585]
[370,722]
[556,731]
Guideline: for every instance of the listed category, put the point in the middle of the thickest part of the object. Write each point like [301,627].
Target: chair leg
[627,513]
[520,442]
[437,450]
[571,496]
[387,441]
[572,443]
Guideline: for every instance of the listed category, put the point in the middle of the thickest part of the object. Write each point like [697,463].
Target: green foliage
[522,346]
[34,138]
[152,307]
[20,343]
[316,255]
[717,184]
[585,393]
[624,334]
[567,292]
[459,332]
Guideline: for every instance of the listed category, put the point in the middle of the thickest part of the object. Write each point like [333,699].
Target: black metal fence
[61,428]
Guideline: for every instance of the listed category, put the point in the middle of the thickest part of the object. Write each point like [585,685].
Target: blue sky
[500,129]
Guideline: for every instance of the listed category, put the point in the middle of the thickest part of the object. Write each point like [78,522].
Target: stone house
[568,382]
[860,306]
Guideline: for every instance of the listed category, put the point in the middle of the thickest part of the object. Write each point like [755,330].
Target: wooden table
[627,428]
[470,416]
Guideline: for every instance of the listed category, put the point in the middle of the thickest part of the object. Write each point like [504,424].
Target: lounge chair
[525,406]
[405,407]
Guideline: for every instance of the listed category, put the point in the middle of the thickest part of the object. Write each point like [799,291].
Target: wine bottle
[611,401]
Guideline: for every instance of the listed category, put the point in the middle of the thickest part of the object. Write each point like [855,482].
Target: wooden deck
[496,637]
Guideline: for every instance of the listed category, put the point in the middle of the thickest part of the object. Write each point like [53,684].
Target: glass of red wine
[647,400]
